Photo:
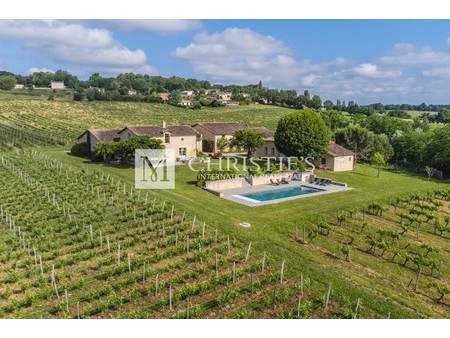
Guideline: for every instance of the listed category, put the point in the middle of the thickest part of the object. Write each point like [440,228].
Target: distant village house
[57,85]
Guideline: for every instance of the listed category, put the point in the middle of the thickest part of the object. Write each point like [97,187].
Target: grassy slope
[273,227]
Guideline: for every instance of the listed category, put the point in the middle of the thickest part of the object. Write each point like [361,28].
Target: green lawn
[274,225]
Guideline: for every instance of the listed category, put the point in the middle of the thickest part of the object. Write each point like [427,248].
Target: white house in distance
[57,85]
[186,103]
[212,131]
[19,86]
[185,140]
[93,136]
[187,93]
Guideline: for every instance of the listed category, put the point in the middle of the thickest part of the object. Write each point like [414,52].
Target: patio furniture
[275,183]
[284,181]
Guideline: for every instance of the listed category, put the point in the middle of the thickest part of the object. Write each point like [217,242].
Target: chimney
[163,124]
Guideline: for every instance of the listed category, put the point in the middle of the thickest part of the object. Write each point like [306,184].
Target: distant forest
[145,88]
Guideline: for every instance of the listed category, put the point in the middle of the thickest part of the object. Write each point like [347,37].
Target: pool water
[263,196]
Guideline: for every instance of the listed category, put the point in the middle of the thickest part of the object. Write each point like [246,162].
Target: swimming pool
[263,196]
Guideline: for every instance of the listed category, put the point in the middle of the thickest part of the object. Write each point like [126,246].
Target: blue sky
[392,61]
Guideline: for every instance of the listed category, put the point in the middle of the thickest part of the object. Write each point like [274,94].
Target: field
[110,251]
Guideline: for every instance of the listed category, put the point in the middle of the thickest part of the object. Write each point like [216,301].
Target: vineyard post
[193,222]
[129,262]
[170,297]
[67,300]
[274,297]
[234,272]
[143,273]
[263,262]
[156,284]
[163,230]
[248,251]
[107,244]
[187,244]
[56,289]
[163,206]
[171,213]
[176,237]
[101,240]
[35,256]
[419,270]
[203,230]
[53,280]
[118,254]
[328,295]
[78,310]
[356,309]
[301,283]
[282,272]
[91,232]
[229,244]
[215,236]
[217,266]
[40,263]
[154,202]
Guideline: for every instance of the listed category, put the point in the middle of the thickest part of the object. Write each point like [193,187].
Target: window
[267,152]
[273,151]
[182,151]
[323,161]
[350,158]
[167,138]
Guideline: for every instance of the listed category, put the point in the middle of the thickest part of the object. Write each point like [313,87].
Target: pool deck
[235,194]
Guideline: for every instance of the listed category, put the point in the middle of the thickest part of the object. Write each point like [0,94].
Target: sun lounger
[275,183]
[284,180]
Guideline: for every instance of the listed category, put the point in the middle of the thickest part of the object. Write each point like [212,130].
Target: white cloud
[71,42]
[243,56]
[373,71]
[38,70]
[438,72]
[406,54]
[153,26]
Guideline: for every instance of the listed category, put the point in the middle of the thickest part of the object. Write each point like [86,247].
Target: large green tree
[438,149]
[247,139]
[302,134]
[126,149]
[380,144]
[7,82]
[356,138]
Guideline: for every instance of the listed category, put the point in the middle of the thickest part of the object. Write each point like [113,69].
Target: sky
[368,61]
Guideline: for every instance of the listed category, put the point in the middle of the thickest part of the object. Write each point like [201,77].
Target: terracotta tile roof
[103,135]
[158,131]
[268,135]
[336,150]
[221,128]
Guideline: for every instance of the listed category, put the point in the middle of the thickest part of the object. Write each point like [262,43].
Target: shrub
[80,150]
